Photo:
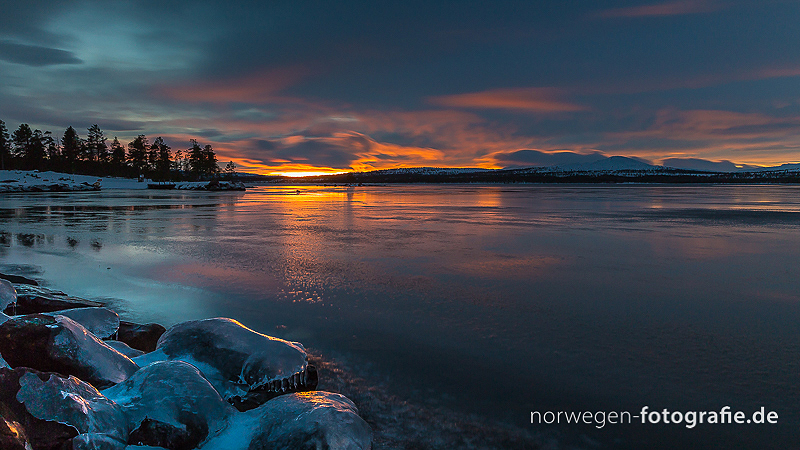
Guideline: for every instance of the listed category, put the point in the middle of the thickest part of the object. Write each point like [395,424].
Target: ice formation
[124,348]
[59,344]
[170,404]
[8,294]
[234,358]
[102,322]
[72,402]
[301,420]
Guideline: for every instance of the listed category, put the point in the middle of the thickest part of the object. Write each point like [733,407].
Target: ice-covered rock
[3,363]
[39,433]
[309,420]
[3,318]
[37,299]
[142,337]
[124,348]
[246,367]
[59,344]
[170,404]
[101,322]
[8,294]
[72,402]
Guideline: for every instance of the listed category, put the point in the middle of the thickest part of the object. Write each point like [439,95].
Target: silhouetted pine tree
[162,159]
[119,166]
[23,138]
[5,146]
[71,148]
[96,150]
[210,167]
[137,154]
[35,153]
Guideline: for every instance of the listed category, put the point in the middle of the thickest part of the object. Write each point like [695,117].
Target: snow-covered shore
[36,181]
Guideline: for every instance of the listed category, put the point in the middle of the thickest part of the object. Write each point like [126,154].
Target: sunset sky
[281,86]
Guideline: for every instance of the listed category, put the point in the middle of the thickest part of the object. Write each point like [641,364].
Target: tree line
[28,149]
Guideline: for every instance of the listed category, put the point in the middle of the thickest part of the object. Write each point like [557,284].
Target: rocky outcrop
[179,400]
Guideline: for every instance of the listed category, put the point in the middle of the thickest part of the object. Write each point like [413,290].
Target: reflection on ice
[591,295]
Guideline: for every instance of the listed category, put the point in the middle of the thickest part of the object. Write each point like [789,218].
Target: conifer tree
[118,159]
[137,154]
[163,158]
[22,140]
[5,146]
[97,150]
[70,149]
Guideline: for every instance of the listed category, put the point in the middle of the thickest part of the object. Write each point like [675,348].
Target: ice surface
[234,358]
[303,420]
[3,363]
[3,318]
[8,294]
[174,393]
[101,322]
[72,402]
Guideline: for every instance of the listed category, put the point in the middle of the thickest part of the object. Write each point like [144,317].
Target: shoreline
[396,423]
[74,345]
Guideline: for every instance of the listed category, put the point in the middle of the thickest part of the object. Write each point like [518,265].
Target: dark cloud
[34,55]
[263,144]
[338,152]
[326,154]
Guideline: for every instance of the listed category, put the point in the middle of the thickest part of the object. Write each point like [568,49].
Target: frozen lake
[487,300]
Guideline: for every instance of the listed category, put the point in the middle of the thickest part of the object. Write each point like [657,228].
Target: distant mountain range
[614,169]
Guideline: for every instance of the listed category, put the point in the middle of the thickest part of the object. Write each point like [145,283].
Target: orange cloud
[257,88]
[675,8]
[542,100]
[725,125]
[745,138]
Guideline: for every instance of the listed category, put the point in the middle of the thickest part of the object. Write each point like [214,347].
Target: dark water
[482,303]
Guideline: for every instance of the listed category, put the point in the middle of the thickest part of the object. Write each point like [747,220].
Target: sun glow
[305,174]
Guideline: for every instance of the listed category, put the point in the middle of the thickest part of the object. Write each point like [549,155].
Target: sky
[309,86]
